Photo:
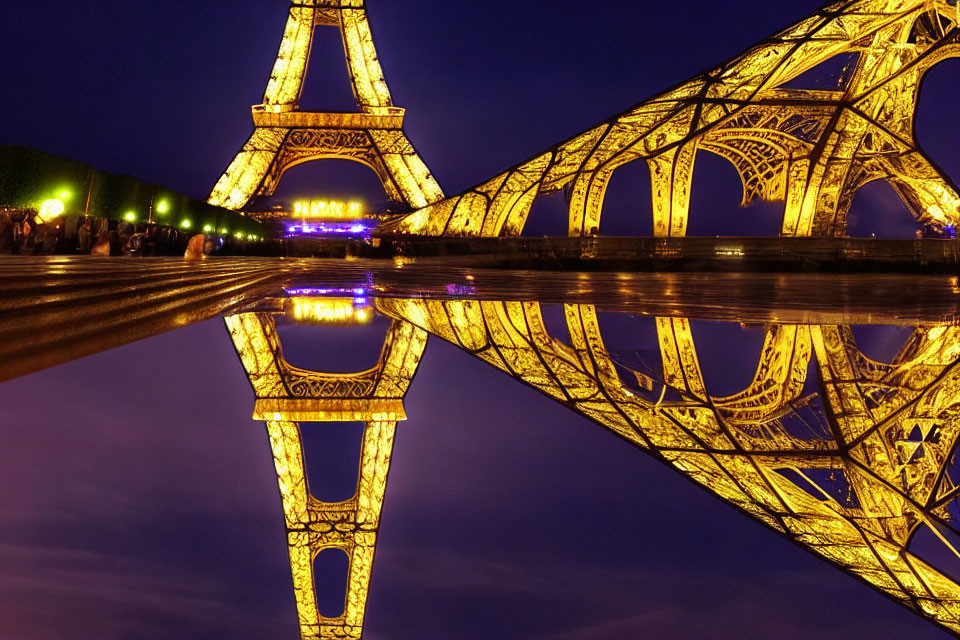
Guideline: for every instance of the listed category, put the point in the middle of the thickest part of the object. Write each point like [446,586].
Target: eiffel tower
[284,136]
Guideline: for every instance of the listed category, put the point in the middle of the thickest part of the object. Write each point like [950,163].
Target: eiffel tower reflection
[849,458]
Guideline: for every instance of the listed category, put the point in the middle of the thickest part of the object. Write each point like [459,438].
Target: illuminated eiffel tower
[286,399]
[285,136]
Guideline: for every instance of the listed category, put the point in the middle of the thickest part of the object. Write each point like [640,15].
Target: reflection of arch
[779,377]
[287,396]
[810,148]
[285,136]
[303,395]
[854,498]
[879,407]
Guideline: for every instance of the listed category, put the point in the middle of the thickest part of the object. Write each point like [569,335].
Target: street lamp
[162,207]
[50,209]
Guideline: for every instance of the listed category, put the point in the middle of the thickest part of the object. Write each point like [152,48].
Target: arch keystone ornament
[284,136]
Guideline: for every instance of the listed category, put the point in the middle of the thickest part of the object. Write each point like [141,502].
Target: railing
[286,117]
[701,253]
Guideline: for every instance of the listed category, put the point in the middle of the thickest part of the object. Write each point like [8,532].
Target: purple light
[329,228]
[461,290]
[311,291]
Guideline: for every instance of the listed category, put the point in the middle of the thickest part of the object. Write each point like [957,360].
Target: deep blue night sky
[139,500]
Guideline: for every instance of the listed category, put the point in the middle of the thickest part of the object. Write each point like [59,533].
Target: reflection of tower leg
[286,395]
[284,136]
[314,526]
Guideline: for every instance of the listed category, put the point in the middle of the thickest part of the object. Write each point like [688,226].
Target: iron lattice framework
[285,136]
[287,396]
[812,148]
[852,468]
[857,486]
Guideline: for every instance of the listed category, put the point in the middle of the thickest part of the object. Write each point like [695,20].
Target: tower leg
[671,179]
[243,178]
[314,526]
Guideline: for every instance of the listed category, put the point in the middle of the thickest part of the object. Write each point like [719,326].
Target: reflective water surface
[455,462]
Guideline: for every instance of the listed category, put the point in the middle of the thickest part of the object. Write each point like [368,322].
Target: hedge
[28,177]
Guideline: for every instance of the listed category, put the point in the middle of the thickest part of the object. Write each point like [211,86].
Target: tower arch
[284,135]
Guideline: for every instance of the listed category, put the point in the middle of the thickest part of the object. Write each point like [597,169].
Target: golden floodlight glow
[130,216]
[163,206]
[796,131]
[855,485]
[327,210]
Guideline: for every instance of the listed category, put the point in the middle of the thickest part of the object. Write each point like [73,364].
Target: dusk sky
[139,498]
